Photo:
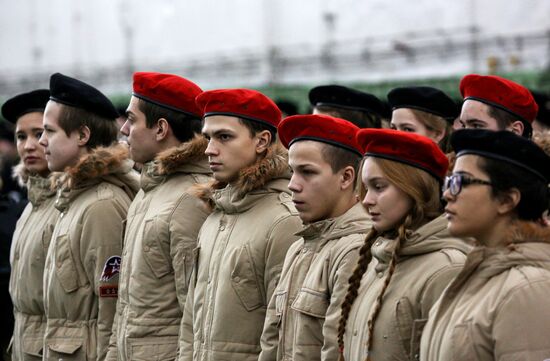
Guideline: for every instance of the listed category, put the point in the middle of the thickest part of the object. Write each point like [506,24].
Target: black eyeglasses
[455,182]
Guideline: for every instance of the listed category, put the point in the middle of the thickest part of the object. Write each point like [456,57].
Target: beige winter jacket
[241,250]
[428,261]
[497,307]
[157,261]
[302,317]
[83,261]
[27,257]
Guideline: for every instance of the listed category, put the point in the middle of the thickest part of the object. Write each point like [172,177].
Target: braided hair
[424,191]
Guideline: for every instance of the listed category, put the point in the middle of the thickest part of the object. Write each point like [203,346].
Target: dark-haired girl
[408,257]
[497,307]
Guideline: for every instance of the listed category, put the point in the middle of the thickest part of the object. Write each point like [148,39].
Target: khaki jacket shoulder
[241,249]
[302,317]
[161,232]
[496,308]
[30,244]
[83,260]
[427,262]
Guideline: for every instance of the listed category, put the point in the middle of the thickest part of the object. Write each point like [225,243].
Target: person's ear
[517,127]
[163,129]
[509,201]
[263,140]
[84,134]
[347,178]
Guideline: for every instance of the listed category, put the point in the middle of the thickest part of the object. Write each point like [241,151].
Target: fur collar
[273,165]
[171,160]
[20,174]
[525,231]
[100,162]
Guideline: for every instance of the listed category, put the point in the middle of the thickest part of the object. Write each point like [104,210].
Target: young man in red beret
[302,317]
[163,129]
[83,260]
[243,242]
[495,103]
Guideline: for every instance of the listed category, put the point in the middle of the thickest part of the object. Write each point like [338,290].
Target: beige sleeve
[101,242]
[342,270]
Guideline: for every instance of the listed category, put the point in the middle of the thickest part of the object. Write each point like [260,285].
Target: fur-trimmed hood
[527,244]
[187,158]
[38,188]
[20,174]
[109,164]
[271,173]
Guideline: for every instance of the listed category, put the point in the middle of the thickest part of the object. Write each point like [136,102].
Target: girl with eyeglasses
[497,307]
[408,256]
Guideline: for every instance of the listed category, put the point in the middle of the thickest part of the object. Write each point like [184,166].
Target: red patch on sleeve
[108,291]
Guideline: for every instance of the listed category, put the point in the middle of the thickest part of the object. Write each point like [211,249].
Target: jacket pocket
[33,345]
[312,309]
[65,349]
[408,327]
[154,349]
[244,281]
[65,267]
[155,235]
[463,344]
[47,237]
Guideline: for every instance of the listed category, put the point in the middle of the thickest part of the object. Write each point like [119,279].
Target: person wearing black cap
[362,109]
[541,124]
[407,258]
[95,191]
[423,110]
[33,231]
[497,306]
[163,220]
[243,242]
[301,321]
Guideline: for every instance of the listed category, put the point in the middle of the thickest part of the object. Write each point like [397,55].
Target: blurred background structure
[280,46]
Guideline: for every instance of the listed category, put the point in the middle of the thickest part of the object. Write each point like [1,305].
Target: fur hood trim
[273,165]
[525,232]
[169,161]
[99,162]
[20,174]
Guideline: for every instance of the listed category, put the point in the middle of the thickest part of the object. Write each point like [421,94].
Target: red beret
[501,93]
[409,148]
[169,91]
[320,128]
[241,103]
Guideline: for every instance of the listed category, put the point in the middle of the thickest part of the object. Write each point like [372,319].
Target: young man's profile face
[141,140]
[231,147]
[475,115]
[315,188]
[61,150]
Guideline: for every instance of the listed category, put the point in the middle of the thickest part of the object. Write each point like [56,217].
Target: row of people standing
[257,262]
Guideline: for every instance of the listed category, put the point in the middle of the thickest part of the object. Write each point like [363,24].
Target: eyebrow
[219,131]
[473,120]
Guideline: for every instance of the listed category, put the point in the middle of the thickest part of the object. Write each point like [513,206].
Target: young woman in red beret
[408,256]
[497,307]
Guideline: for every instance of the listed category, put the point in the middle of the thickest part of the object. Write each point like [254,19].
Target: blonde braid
[365,256]
[401,238]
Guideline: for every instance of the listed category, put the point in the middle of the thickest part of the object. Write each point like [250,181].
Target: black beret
[34,101]
[338,96]
[543,101]
[504,146]
[75,93]
[424,98]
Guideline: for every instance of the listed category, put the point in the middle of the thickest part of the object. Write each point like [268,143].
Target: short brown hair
[339,158]
[256,127]
[184,126]
[505,119]
[360,118]
[103,131]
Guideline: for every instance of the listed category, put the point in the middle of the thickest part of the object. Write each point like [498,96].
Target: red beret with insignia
[320,128]
[404,147]
[169,91]
[501,93]
[240,103]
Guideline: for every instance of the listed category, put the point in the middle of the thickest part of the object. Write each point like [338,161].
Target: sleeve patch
[108,291]
[111,268]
